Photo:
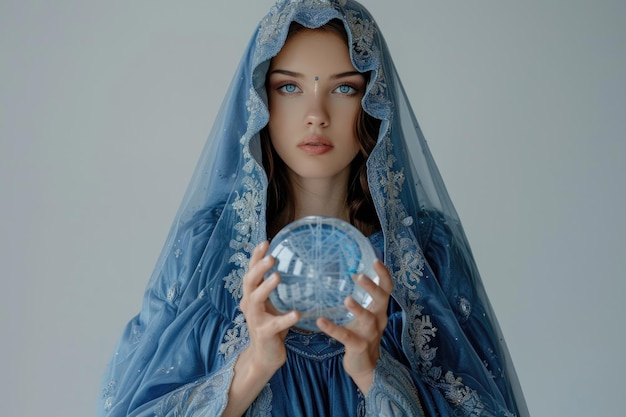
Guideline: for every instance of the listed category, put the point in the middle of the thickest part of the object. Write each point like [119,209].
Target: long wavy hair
[361,211]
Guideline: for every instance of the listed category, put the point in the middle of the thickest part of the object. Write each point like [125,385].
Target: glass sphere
[317,259]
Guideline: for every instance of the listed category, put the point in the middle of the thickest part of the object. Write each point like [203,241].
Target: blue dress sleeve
[458,302]
[208,396]
[393,392]
[454,268]
[166,361]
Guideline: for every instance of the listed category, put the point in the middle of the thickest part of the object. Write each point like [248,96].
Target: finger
[342,334]
[355,308]
[262,292]
[330,328]
[364,318]
[259,252]
[285,321]
[385,284]
[380,297]
[384,277]
[255,301]
[255,275]
[365,282]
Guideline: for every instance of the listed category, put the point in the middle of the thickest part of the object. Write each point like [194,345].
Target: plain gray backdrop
[105,107]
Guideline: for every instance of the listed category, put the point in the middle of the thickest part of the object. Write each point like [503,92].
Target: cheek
[347,112]
[280,115]
[275,121]
[350,120]
[278,129]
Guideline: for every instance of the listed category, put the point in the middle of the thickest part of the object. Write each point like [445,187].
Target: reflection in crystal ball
[317,259]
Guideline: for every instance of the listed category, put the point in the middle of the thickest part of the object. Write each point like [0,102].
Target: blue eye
[288,88]
[346,89]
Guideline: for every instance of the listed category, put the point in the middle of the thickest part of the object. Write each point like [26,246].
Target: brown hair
[280,207]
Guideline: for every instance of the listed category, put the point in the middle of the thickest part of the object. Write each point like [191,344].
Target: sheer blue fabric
[442,352]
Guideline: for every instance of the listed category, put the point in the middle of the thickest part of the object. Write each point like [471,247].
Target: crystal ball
[317,259]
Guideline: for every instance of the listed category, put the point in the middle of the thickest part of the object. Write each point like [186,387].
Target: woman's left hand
[361,337]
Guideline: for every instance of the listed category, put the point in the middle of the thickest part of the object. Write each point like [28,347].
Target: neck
[321,197]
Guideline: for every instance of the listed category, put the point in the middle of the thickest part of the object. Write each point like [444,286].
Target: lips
[316,145]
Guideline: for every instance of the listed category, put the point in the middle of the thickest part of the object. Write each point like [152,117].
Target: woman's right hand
[266,327]
[267,330]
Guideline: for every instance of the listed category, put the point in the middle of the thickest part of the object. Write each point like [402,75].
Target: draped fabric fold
[442,353]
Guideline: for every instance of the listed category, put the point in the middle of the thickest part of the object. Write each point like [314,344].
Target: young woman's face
[314,96]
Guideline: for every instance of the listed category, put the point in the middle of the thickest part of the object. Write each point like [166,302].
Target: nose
[317,113]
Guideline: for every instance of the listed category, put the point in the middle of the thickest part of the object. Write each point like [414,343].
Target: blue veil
[176,356]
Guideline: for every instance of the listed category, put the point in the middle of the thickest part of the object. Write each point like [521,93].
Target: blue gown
[312,382]
[442,353]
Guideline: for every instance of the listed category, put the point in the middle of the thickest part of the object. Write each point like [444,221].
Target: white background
[105,107]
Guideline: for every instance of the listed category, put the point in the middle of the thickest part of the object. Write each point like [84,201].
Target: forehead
[308,48]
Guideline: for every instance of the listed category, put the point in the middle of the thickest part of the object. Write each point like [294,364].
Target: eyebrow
[300,75]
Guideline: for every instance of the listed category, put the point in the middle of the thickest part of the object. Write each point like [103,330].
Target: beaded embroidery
[247,205]
[407,260]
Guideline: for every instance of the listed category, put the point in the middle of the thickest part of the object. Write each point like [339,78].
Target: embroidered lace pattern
[248,207]
[248,204]
[407,261]
[208,394]
[190,308]
[262,406]
[384,401]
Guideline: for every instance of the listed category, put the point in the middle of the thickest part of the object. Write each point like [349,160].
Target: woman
[315,122]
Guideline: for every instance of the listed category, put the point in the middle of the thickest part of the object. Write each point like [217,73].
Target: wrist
[364,381]
[251,368]
[361,370]
[249,378]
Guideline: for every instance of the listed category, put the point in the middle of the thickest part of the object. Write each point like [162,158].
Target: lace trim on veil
[406,259]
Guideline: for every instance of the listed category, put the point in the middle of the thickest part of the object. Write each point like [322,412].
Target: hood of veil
[222,216]
[229,183]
